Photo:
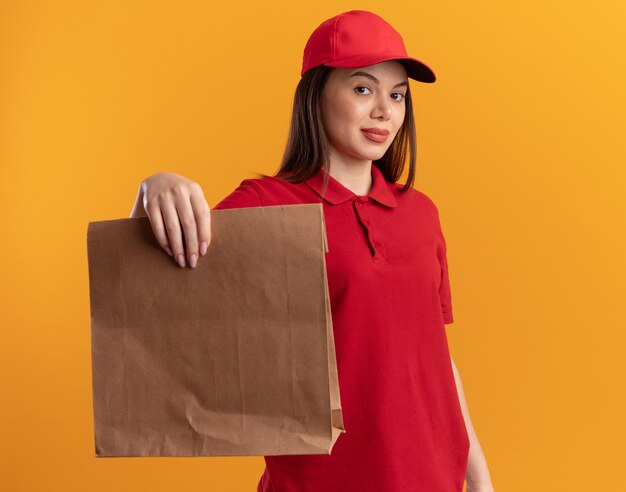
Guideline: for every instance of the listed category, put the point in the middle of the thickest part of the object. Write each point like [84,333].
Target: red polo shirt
[390,298]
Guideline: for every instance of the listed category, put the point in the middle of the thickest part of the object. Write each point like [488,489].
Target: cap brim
[418,70]
[415,69]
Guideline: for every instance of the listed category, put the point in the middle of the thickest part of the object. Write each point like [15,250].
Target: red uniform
[390,298]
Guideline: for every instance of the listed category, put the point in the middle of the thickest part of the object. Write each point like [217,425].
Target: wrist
[138,209]
[477,471]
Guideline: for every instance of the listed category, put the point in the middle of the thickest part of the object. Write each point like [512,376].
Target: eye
[398,99]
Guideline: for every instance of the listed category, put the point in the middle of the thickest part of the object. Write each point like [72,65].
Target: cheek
[399,120]
[333,126]
[350,110]
[340,122]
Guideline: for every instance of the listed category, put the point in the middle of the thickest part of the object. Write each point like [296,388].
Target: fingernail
[181,260]
[169,251]
[192,261]
[203,248]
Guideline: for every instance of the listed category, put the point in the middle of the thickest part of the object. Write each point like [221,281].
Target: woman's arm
[138,209]
[179,215]
[477,475]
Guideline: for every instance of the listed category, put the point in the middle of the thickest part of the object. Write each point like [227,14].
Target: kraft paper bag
[235,357]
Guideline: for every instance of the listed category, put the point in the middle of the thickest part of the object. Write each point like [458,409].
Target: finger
[202,213]
[188,221]
[158,227]
[173,228]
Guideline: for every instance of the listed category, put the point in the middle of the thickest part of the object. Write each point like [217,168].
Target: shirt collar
[336,193]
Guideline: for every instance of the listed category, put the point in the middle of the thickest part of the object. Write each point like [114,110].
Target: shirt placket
[363,210]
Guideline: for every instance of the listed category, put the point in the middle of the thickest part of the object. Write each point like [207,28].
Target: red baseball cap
[359,38]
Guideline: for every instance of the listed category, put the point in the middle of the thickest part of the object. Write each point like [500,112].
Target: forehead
[391,71]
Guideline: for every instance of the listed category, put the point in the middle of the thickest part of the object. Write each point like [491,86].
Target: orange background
[521,145]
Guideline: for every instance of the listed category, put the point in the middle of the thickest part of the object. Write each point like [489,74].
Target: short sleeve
[445,295]
[245,195]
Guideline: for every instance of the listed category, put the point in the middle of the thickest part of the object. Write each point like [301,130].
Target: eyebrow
[370,76]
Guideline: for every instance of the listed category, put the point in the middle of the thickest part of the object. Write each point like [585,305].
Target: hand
[172,201]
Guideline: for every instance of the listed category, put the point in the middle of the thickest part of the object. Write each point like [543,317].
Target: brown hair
[307,145]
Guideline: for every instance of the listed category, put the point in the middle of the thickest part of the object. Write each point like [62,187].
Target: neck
[356,176]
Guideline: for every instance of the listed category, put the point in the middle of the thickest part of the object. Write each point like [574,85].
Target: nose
[382,108]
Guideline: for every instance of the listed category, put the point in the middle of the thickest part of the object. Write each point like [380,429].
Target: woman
[406,419]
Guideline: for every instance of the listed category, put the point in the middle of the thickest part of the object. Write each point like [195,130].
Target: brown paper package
[233,358]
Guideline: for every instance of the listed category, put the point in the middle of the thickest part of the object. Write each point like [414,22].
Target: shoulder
[414,197]
[261,192]
[245,195]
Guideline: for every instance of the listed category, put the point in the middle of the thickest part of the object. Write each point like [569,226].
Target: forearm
[477,470]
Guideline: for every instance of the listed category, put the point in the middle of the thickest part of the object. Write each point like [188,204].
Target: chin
[373,156]
[365,153]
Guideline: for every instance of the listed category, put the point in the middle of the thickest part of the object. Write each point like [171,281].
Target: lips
[375,134]
[376,131]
